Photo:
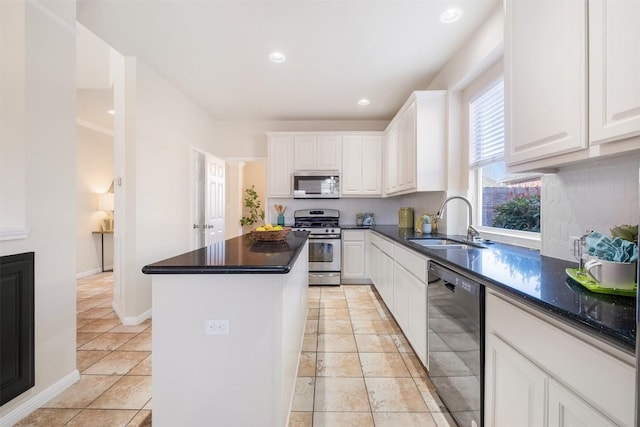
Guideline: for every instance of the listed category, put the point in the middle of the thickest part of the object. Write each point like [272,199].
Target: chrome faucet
[472,233]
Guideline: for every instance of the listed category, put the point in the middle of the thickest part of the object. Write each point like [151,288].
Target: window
[505,201]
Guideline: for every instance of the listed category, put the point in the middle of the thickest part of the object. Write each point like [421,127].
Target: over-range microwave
[316,185]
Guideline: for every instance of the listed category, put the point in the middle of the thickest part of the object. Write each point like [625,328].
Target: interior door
[198,181]
[208,173]
[214,200]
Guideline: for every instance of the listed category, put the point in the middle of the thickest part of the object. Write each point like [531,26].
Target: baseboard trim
[23,410]
[88,273]
[130,321]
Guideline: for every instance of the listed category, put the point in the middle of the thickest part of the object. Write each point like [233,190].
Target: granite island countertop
[537,280]
[238,255]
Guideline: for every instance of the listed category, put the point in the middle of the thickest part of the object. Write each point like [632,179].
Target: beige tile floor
[114,363]
[357,369]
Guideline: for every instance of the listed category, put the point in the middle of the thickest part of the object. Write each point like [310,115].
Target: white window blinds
[486,127]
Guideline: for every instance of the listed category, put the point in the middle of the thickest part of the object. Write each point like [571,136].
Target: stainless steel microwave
[316,185]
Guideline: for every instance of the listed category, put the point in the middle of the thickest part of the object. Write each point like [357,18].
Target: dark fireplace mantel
[17,362]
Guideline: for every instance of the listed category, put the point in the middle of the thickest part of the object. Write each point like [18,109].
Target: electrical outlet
[217,327]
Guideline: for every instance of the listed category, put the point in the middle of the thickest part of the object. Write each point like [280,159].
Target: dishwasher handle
[455,281]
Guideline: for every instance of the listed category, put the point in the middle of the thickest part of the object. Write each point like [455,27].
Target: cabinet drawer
[415,264]
[353,235]
[381,243]
[599,378]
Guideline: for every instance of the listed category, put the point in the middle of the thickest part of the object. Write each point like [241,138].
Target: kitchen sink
[438,243]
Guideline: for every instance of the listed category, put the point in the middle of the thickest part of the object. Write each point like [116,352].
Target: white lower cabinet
[514,387]
[417,318]
[381,267]
[539,372]
[568,410]
[400,277]
[400,307]
[353,255]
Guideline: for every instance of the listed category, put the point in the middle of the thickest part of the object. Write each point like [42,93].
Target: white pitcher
[610,274]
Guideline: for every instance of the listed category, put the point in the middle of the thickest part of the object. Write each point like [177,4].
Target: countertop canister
[405,218]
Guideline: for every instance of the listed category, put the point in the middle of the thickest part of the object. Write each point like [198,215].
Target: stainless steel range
[324,243]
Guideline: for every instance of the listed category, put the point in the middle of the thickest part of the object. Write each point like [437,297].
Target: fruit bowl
[270,235]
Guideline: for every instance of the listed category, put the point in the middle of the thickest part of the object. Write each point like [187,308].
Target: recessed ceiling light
[277,57]
[450,15]
[111,112]
[364,101]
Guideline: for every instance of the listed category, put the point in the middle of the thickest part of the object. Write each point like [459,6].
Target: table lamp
[106,203]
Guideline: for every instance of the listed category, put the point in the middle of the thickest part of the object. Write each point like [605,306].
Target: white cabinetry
[317,152]
[614,67]
[400,277]
[392,169]
[559,65]
[381,252]
[515,388]
[280,165]
[416,145]
[353,256]
[361,165]
[568,410]
[581,381]
[545,79]
[410,297]
[417,326]
[400,307]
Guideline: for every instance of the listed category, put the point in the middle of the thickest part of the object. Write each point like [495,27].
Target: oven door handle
[324,236]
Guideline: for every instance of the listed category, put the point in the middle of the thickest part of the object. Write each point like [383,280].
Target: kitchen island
[228,324]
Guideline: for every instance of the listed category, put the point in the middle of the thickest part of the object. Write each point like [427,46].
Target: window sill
[513,237]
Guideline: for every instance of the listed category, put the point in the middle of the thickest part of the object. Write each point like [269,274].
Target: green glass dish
[593,286]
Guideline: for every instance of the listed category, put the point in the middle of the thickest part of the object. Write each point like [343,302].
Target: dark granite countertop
[537,280]
[239,255]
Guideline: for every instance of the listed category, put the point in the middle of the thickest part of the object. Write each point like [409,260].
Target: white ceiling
[338,51]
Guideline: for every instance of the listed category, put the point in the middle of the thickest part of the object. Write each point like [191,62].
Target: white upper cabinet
[361,165]
[571,81]
[280,166]
[614,70]
[545,79]
[392,181]
[315,152]
[415,145]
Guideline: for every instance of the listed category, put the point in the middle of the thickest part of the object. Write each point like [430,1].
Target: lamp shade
[105,202]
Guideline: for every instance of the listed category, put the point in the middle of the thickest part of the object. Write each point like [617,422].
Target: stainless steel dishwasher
[456,343]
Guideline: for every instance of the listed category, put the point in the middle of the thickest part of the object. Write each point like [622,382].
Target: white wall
[45,170]
[247,140]
[155,129]
[482,49]
[94,175]
[595,196]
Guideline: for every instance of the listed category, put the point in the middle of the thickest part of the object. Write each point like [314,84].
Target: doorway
[208,200]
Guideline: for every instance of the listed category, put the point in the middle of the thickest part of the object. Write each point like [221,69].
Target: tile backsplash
[595,196]
[384,209]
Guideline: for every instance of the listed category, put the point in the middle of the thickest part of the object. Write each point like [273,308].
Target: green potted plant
[626,232]
[252,207]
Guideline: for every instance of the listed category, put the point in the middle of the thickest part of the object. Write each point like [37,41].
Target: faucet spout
[471,232]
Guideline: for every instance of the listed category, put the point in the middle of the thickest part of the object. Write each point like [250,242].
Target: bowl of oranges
[270,233]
